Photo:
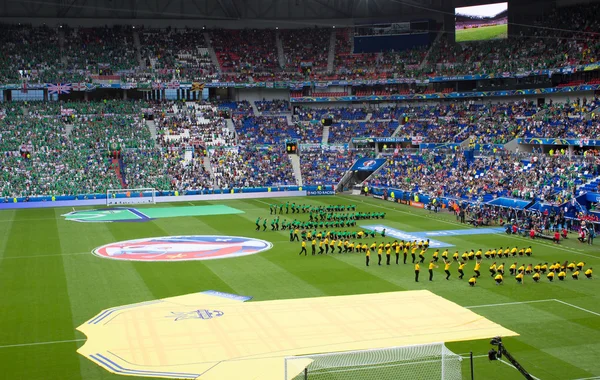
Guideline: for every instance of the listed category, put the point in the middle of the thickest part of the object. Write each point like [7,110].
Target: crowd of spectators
[246,50]
[326,165]
[28,53]
[306,49]
[176,54]
[70,55]
[550,179]
[103,50]
[110,132]
[192,124]
[272,106]
[251,166]
[275,130]
[344,131]
[66,172]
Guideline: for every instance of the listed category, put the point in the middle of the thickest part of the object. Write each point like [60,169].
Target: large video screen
[481,22]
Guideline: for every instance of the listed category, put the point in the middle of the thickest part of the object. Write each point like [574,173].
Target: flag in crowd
[59,88]
[79,87]
[197,86]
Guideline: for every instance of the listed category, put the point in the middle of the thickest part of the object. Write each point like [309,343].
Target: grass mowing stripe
[109,284]
[36,304]
[254,275]
[332,278]
[170,279]
[543,347]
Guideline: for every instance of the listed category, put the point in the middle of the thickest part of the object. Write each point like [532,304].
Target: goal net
[418,362]
[145,195]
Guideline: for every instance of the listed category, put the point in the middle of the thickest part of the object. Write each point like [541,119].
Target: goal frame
[443,355]
[117,197]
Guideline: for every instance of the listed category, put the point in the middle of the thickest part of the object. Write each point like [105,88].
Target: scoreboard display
[291,147]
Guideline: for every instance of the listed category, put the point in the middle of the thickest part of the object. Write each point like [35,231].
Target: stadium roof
[225,12]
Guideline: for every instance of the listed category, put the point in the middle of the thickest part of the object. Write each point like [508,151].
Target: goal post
[426,361]
[143,195]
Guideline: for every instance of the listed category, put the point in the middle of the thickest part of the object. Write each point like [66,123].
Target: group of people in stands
[57,138]
[253,54]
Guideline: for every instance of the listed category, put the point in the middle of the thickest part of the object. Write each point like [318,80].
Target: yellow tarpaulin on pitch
[221,339]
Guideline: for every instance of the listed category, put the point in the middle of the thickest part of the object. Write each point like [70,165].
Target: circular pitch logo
[369,163]
[182,248]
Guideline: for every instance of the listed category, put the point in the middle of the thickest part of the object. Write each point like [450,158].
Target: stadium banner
[325,147]
[364,140]
[417,204]
[368,164]
[545,141]
[320,192]
[434,146]
[300,85]
[593,197]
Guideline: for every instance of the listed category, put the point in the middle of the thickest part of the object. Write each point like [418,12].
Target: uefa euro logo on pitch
[196,314]
[182,248]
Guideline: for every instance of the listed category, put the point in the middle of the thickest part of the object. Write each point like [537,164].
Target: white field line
[462,355]
[577,307]
[512,366]
[42,343]
[534,301]
[506,304]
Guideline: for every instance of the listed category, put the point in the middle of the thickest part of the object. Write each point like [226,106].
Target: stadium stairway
[211,51]
[325,139]
[255,109]
[331,55]
[295,161]
[540,114]
[68,130]
[280,54]
[188,155]
[209,169]
[138,48]
[588,115]
[152,127]
[512,145]
[61,46]
[231,126]
[117,165]
[435,41]
[398,129]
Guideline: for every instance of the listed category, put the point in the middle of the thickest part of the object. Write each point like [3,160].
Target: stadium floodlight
[425,361]
[501,351]
[143,195]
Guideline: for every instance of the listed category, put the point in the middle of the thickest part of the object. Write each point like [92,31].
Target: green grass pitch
[50,283]
[482,34]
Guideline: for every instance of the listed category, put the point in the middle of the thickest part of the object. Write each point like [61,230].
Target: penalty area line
[577,307]
[534,301]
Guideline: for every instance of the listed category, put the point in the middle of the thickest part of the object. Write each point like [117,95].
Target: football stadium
[299,190]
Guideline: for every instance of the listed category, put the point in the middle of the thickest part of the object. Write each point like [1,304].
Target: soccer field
[481,34]
[51,283]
